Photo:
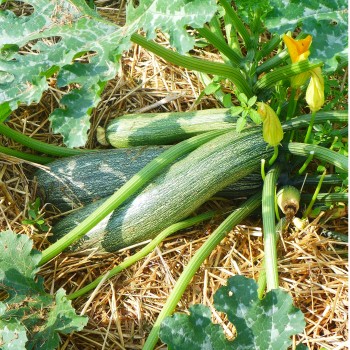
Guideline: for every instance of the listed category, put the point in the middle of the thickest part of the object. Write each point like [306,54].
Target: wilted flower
[298,51]
[272,128]
[315,91]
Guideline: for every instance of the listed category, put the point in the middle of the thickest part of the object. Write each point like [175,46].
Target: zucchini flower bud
[272,128]
[315,91]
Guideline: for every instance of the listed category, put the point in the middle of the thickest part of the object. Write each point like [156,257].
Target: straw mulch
[313,269]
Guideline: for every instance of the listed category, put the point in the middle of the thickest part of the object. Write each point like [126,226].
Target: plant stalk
[196,64]
[202,253]
[270,240]
[144,251]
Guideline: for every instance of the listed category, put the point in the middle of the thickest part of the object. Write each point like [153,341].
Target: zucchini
[174,194]
[72,182]
[165,128]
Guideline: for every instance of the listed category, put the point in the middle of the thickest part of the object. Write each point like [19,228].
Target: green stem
[201,254]
[268,47]
[144,251]
[281,225]
[293,100]
[196,64]
[321,117]
[262,169]
[268,216]
[272,62]
[314,197]
[321,153]
[306,163]
[274,156]
[327,198]
[26,156]
[237,22]
[128,189]
[220,45]
[309,129]
[286,72]
[38,145]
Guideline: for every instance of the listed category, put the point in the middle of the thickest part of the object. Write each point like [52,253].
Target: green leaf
[171,18]
[227,101]
[12,333]
[235,110]
[268,323]
[61,318]
[255,116]
[194,331]
[240,124]
[211,88]
[260,324]
[251,101]
[325,20]
[60,34]
[29,315]
[243,99]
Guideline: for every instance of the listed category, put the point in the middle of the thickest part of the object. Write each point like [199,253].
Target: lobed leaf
[29,317]
[260,324]
[194,331]
[72,40]
[326,21]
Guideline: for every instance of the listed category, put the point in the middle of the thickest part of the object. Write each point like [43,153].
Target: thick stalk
[281,225]
[196,64]
[220,45]
[202,253]
[270,240]
[321,153]
[144,251]
[268,47]
[237,22]
[26,156]
[321,117]
[286,72]
[272,62]
[38,145]
[128,189]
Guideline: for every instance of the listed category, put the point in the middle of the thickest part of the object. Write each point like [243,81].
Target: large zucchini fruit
[174,194]
[165,128]
[75,181]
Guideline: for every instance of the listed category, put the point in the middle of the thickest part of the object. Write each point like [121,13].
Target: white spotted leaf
[260,324]
[55,37]
[326,21]
[30,318]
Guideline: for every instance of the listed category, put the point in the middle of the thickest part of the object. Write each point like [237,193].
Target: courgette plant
[258,68]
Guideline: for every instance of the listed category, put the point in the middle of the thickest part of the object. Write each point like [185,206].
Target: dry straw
[312,268]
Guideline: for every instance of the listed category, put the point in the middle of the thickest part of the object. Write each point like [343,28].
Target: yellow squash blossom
[315,91]
[298,51]
[272,128]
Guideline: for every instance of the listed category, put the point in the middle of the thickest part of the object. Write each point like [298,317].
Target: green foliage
[72,40]
[34,216]
[325,20]
[261,324]
[245,109]
[29,317]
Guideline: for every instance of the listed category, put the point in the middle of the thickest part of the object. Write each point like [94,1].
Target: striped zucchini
[72,182]
[165,128]
[174,194]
